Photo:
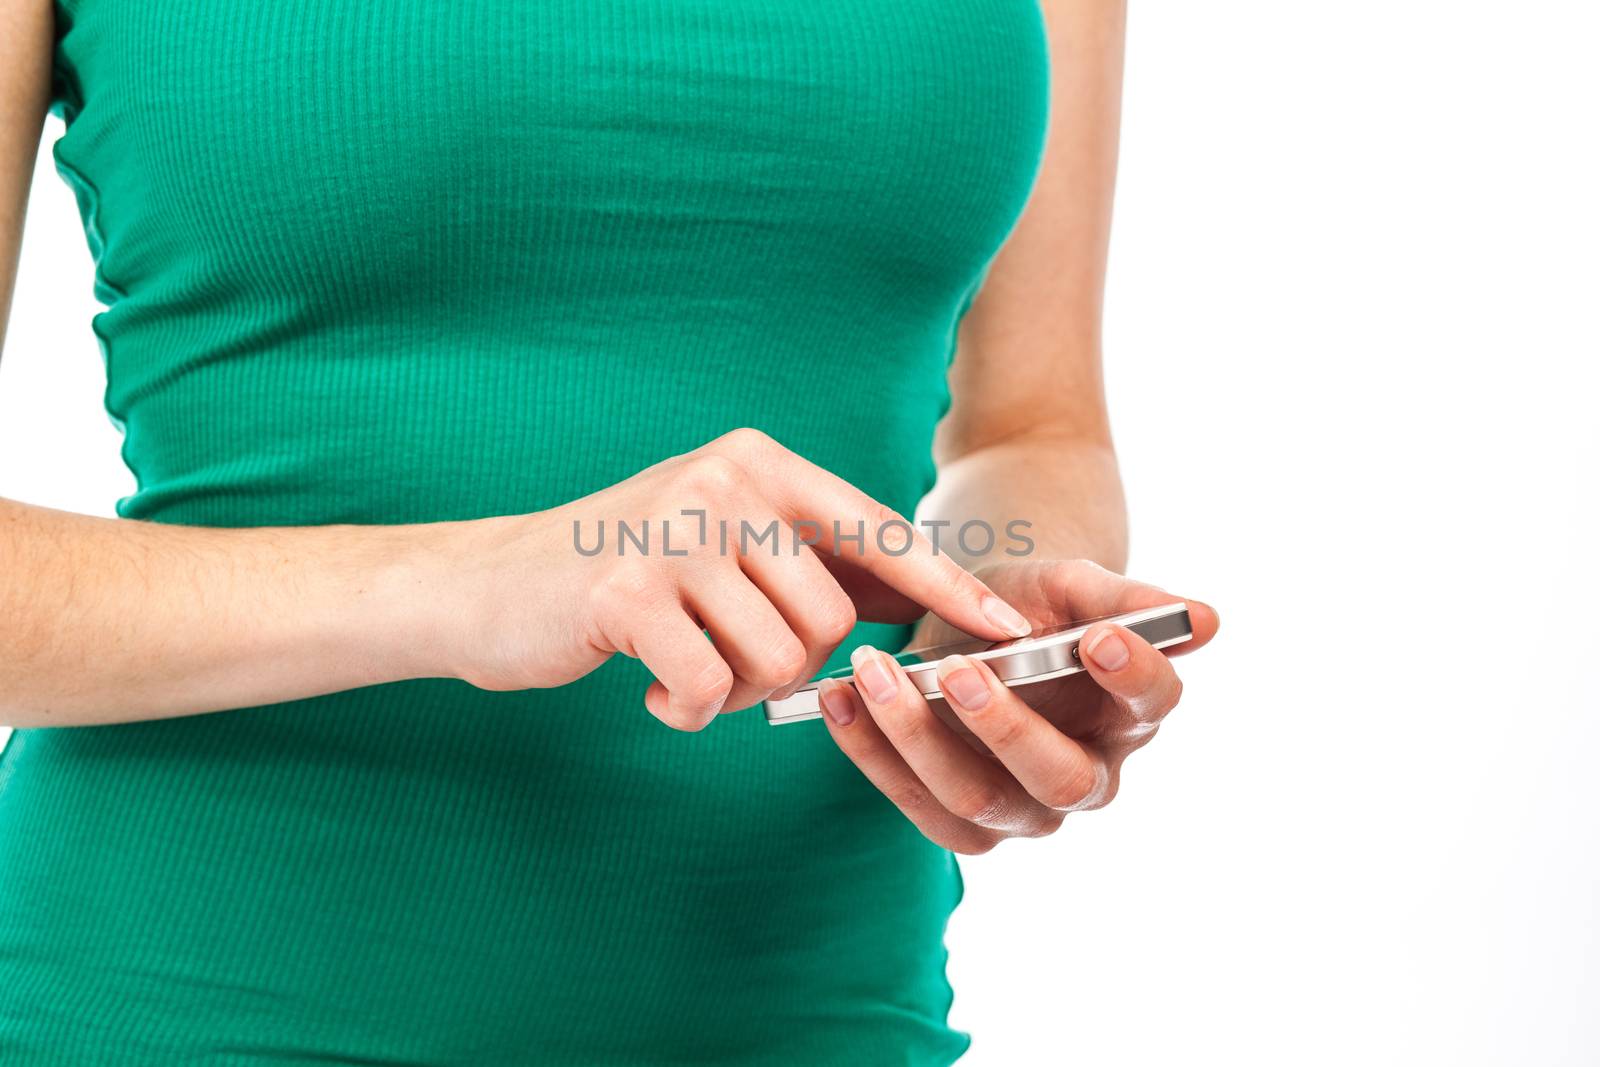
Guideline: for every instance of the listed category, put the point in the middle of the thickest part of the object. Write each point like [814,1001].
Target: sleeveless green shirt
[392,261]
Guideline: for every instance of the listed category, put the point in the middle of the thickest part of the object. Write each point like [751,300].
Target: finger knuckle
[780,664]
[1104,792]
[1103,799]
[883,514]
[1047,823]
[624,588]
[911,728]
[747,441]
[709,687]
[912,800]
[711,477]
[789,658]
[1152,698]
[1006,732]
[1070,790]
[834,620]
[973,842]
[981,803]
[1139,735]
[888,530]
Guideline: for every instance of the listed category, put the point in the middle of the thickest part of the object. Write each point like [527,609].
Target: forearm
[1027,435]
[114,620]
[1065,486]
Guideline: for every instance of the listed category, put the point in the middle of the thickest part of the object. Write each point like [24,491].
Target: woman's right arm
[115,620]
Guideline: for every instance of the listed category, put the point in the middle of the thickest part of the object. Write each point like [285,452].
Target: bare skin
[108,621]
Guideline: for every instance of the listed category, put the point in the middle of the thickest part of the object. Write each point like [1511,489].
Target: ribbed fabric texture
[397,260]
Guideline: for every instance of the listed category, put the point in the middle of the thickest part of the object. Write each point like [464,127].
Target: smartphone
[1039,657]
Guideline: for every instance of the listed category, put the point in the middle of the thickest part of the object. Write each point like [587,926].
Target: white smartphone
[1039,657]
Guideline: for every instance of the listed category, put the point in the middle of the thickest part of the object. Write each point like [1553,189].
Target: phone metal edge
[802,704]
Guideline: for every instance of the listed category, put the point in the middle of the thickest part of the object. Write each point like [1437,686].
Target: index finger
[859,531]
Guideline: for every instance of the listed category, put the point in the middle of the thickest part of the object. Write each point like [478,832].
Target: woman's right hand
[535,611]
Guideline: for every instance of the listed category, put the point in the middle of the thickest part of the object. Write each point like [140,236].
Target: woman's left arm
[1027,438]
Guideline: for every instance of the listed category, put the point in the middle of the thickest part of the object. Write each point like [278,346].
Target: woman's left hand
[1004,762]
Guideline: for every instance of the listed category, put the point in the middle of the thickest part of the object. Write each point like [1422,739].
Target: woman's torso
[399,261]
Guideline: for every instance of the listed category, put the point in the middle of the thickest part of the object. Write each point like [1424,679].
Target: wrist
[464,597]
[415,597]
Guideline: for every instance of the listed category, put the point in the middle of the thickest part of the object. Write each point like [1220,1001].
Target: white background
[1352,347]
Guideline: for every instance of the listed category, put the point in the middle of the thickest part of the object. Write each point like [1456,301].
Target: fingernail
[1004,616]
[1108,651]
[963,683]
[836,703]
[874,675]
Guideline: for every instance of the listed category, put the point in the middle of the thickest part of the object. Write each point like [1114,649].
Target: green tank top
[396,261]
